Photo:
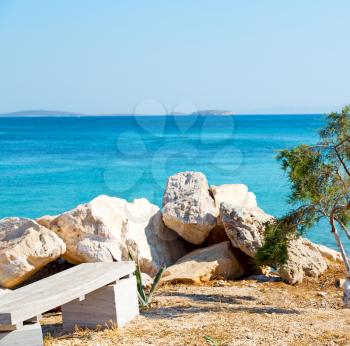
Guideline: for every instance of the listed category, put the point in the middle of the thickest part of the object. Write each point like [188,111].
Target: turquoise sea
[50,164]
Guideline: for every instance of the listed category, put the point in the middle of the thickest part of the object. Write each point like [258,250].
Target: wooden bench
[90,294]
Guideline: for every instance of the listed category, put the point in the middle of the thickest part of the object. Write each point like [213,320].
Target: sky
[158,56]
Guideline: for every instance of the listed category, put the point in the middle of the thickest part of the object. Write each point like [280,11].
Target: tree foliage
[320,189]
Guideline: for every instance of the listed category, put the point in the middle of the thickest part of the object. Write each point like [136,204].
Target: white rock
[244,227]
[302,261]
[106,228]
[235,194]
[205,264]
[25,247]
[219,283]
[329,254]
[91,231]
[188,208]
[45,220]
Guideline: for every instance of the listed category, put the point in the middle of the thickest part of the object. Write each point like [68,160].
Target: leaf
[144,299]
[211,341]
[156,282]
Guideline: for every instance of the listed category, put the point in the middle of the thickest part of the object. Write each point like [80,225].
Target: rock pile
[108,228]
[202,233]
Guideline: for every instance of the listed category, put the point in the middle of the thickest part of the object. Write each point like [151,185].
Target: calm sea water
[51,164]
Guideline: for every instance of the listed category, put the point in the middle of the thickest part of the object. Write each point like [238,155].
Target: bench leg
[114,305]
[29,335]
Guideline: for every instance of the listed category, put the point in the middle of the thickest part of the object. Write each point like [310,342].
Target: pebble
[220,283]
[322,294]
[252,286]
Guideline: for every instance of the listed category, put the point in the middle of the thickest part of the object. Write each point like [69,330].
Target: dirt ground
[244,312]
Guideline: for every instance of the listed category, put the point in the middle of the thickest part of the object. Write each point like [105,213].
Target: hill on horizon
[43,112]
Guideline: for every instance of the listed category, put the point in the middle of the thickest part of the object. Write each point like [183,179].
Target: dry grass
[237,313]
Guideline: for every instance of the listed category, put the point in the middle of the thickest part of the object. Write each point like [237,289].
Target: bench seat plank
[56,290]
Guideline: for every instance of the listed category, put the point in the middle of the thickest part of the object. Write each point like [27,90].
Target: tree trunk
[346,289]
[346,296]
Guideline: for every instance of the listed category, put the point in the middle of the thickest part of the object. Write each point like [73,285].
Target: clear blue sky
[107,56]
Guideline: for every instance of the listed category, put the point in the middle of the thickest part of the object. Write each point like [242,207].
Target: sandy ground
[228,313]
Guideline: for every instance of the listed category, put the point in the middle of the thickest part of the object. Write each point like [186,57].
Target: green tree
[320,189]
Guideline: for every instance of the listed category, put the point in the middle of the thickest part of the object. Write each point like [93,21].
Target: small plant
[210,341]
[145,296]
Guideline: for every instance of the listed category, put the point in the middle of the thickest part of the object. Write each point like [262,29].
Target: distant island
[41,112]
[51,113]
[213,112]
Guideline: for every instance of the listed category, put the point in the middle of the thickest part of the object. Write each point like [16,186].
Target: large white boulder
[215,261]
[245,228]
[91,231]
[25,247]
[188,208]
[303,260]
[107,228]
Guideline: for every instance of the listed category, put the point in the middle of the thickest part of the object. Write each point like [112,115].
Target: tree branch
[342,161]
[347,139]
[347,232]
[341,207]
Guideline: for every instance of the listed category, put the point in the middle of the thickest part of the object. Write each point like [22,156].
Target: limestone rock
[188,208]
[244,226]
[90,231]
[205,264]
[45,220]
[302,261]
[327,253]
[105,229]
[237,195]
[25,247]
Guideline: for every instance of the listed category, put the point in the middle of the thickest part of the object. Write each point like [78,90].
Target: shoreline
[164,115]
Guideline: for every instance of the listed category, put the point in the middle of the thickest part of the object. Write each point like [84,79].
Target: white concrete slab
[29,335]
[113,305]
[32,300]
